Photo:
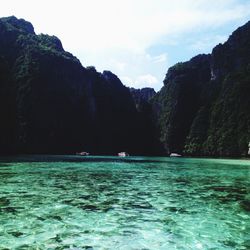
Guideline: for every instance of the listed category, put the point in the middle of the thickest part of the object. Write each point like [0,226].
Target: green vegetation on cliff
[50,103]
[204,106]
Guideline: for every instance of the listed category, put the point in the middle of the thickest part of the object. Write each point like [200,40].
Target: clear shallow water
[143,203]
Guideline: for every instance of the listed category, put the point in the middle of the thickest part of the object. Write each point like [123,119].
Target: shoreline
[79,158]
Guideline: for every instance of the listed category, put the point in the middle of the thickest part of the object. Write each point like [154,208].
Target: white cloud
[121,66]
[160,58]
[129,65]
[207,43]
[146,80]
[127,81]
[141,81]
[97,24]
[115,34]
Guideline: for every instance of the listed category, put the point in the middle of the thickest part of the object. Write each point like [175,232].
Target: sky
[138,40]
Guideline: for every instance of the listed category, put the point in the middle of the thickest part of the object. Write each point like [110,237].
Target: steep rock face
[49,103]
[232,55]
[46,84]
[229,128]
[147,133]
[142,97]
[203,108]
[115,114]
[176,105]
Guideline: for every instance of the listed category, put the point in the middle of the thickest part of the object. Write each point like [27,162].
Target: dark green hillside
[147,133]
[179,100]
[50,103]
[204,106]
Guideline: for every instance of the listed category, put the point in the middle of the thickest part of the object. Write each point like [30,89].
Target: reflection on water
[145,203]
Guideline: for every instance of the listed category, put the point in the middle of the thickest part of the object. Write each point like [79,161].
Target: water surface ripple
[140,203]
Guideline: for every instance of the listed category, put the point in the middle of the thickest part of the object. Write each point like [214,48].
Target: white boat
[83,153]
[123,154]
[175,155]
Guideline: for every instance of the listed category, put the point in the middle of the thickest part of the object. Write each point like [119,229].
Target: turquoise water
[140,203]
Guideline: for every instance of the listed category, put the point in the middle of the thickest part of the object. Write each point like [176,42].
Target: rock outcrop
[50,103]
[203,108]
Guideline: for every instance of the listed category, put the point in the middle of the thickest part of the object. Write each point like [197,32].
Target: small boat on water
[123,154]
[82,153]
[175,155]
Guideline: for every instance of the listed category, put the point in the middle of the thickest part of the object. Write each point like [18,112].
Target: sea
[129,203]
